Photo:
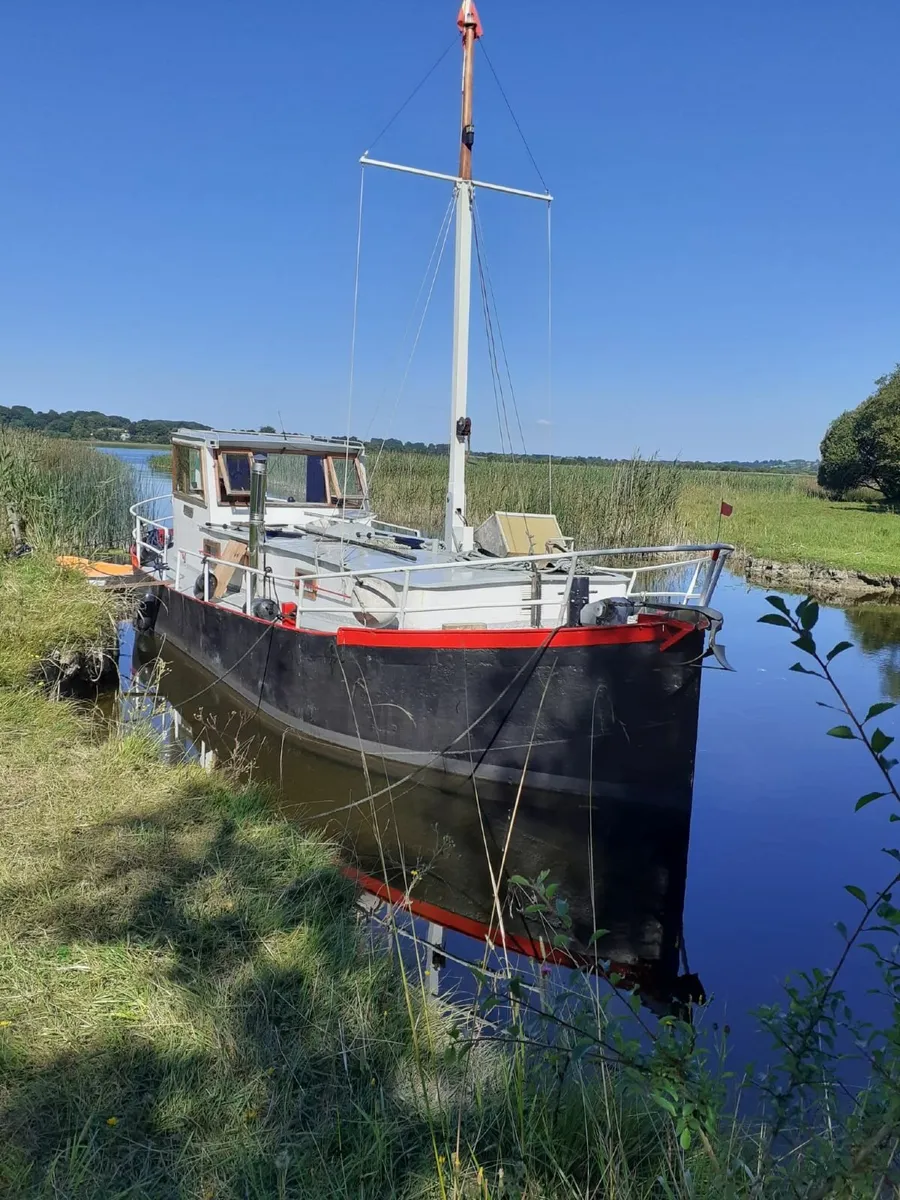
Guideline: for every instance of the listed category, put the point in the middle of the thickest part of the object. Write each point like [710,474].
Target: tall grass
[72,498]
[632,503]
[161,463]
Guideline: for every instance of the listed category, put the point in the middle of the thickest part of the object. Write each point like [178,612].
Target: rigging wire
[549,364]
[489,305]
[415,92]
[540,175]
[479,239]
[359,220]
[438,249]
[487,59]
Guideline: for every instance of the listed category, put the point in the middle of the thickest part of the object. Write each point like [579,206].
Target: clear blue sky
[178,194]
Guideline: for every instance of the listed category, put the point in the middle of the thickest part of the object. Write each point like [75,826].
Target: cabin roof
[270,443]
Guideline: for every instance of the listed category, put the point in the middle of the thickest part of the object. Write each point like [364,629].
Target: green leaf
[867,799]
[774,619]
[818,674]
[856,892]
[841,731]
[841,928]
[808,612]
[777,602]
[838,649]
[805,642]
[881,707]
[880,741]
[685,1138]
[519,880]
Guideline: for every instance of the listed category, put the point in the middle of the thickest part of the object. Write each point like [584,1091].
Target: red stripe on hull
[630,973]
[646,630]
[459,924]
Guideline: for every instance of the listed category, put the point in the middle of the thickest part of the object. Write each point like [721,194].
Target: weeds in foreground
[51,614]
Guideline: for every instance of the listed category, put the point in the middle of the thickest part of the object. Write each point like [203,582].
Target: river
[770,844]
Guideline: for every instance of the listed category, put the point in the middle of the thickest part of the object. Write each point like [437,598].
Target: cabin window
[346,482]
[292,478]
[287,478]
[187,471]
[234,471]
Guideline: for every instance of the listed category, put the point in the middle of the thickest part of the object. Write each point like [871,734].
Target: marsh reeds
[630,503]
[69,497]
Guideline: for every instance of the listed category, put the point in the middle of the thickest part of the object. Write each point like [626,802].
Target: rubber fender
[266,610]
[147,612]
[198,585]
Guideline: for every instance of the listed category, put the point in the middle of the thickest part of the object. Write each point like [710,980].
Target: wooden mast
[457,532]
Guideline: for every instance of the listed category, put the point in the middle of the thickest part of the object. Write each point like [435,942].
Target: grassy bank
[189,1006]
[799,527]
[69,496]
[45,610]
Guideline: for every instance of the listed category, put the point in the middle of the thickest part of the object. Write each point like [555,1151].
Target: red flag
[468,14]
[727,509]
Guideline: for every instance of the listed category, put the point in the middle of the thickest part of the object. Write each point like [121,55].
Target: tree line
[91,425]
[88,424]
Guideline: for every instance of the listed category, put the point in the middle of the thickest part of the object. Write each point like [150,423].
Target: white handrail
[714,555]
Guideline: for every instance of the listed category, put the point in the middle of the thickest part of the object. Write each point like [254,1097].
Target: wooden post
[16,525]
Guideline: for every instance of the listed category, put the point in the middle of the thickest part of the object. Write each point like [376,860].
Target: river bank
[190,1006]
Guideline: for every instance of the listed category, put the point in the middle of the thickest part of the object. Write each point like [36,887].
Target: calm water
[762,860]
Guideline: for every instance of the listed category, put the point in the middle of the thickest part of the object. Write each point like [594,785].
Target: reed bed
[631,503]
[71,497]
[160,463]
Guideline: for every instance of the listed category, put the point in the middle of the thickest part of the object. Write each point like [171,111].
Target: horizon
[183,198]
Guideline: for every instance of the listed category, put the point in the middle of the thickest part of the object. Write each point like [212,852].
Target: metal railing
[707,561]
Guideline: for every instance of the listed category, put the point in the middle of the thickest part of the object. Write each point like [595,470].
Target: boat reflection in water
[620,864]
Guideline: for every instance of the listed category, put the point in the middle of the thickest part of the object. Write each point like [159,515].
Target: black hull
[620,866]
[607,718]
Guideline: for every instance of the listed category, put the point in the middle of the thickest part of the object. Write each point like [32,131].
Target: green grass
[72,498]
[46,609]
[800,528]
[189,1008]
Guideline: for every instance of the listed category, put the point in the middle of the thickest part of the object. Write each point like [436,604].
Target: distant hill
[85,425]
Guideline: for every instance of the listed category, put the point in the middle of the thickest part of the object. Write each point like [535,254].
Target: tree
[861,448]
[878,435]
[841,468]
